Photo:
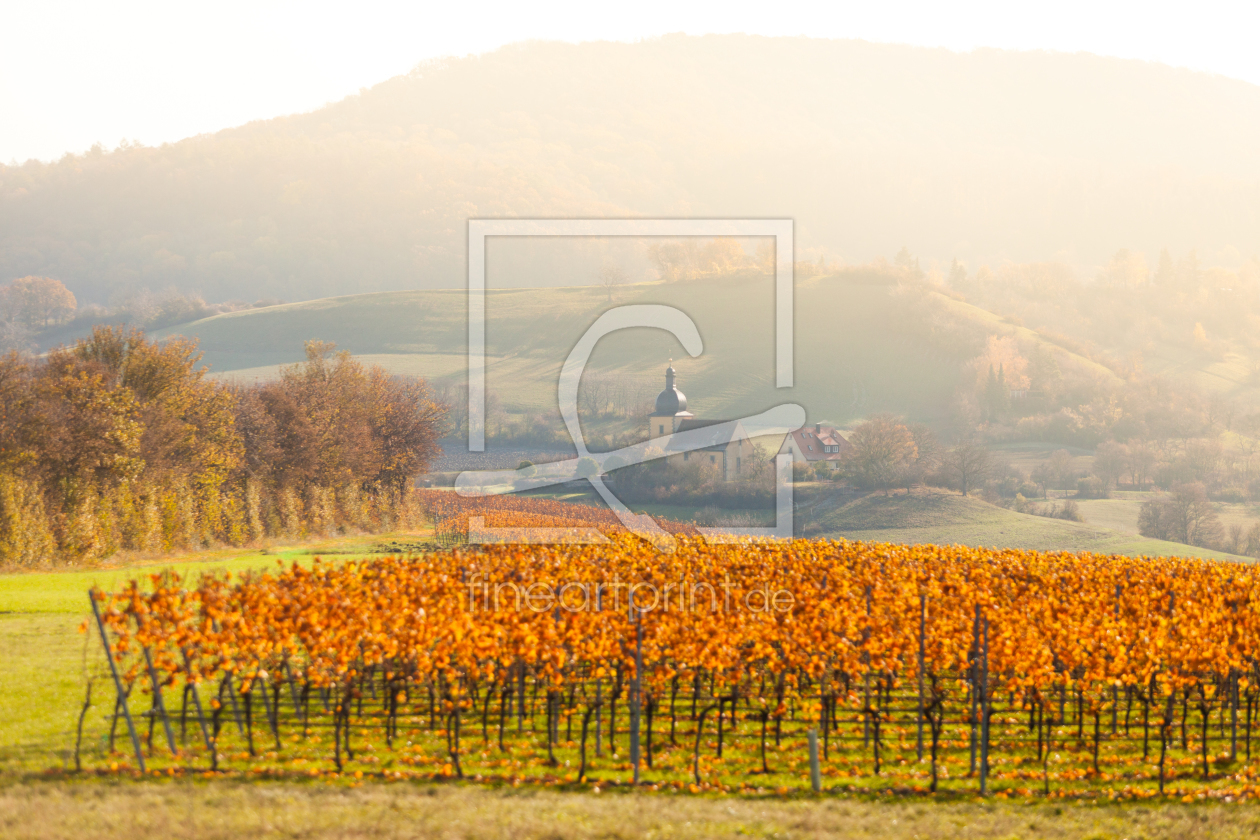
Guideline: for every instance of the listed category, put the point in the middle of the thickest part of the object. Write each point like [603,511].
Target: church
[725,448]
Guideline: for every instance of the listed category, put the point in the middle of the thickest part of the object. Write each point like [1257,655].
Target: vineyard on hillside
[917,669]
[452,515]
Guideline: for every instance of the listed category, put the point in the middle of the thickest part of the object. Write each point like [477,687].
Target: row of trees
[42,308]
[887,453]
[118,442]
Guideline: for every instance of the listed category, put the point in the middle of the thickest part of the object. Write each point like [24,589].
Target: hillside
[948,519]
[986,156]
[863,342]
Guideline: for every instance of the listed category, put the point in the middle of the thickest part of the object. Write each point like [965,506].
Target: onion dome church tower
[671,408]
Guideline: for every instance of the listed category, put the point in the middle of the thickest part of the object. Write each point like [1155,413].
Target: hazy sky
[76,73]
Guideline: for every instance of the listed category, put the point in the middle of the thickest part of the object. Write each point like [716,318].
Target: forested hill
[985,156]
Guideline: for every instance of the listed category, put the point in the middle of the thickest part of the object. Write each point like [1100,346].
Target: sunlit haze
[77,73]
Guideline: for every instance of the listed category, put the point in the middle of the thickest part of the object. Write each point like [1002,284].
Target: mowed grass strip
[259,810]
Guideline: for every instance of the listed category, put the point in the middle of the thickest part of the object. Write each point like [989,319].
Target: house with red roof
[816,443]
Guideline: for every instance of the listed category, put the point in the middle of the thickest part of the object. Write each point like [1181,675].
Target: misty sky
[74,73]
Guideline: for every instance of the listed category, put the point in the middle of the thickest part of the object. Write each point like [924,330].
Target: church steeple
[671,406]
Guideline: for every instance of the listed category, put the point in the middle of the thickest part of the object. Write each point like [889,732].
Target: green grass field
[854,350]
[947,518]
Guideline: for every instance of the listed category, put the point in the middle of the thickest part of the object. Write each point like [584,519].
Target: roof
[810,443]
[713,434]
[671,402]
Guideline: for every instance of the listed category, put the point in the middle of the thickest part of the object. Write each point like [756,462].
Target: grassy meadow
[1110,525]
[225,810]
[847,356]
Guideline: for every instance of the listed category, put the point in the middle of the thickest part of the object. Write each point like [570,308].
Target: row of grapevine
[997,654]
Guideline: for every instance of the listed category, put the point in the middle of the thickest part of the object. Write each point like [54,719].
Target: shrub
[25,538]
[1091,487]
[1234,495]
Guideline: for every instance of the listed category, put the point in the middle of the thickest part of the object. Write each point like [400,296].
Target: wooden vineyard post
[158,704]
[236,709]
[1233,715]
[118,687]
[636,687]
[599,681]
[866,675]
[815,772]
[298,711]
[974,688]
[196,696]
[922,629]
[984,706]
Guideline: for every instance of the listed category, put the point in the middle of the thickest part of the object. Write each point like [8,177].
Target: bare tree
[1109,462]
[1141,463]
[1061,470]
[1186,515]
[610,277]
[927,456]
[593,394]
[970,463]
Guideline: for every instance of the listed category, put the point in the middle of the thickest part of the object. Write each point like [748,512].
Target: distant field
[948,518]
[854,354]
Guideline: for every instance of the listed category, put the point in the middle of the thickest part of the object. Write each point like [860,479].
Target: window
[738,463]
[662,429]
[686,456]
[712,459]
[811,447]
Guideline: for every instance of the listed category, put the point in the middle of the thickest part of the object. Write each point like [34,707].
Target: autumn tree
[19,423]
[37,301]
[331,421]
[187,420]
[90,430]
[883,448]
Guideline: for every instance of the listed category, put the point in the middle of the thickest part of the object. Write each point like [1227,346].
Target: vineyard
[723,668]
[452,513]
